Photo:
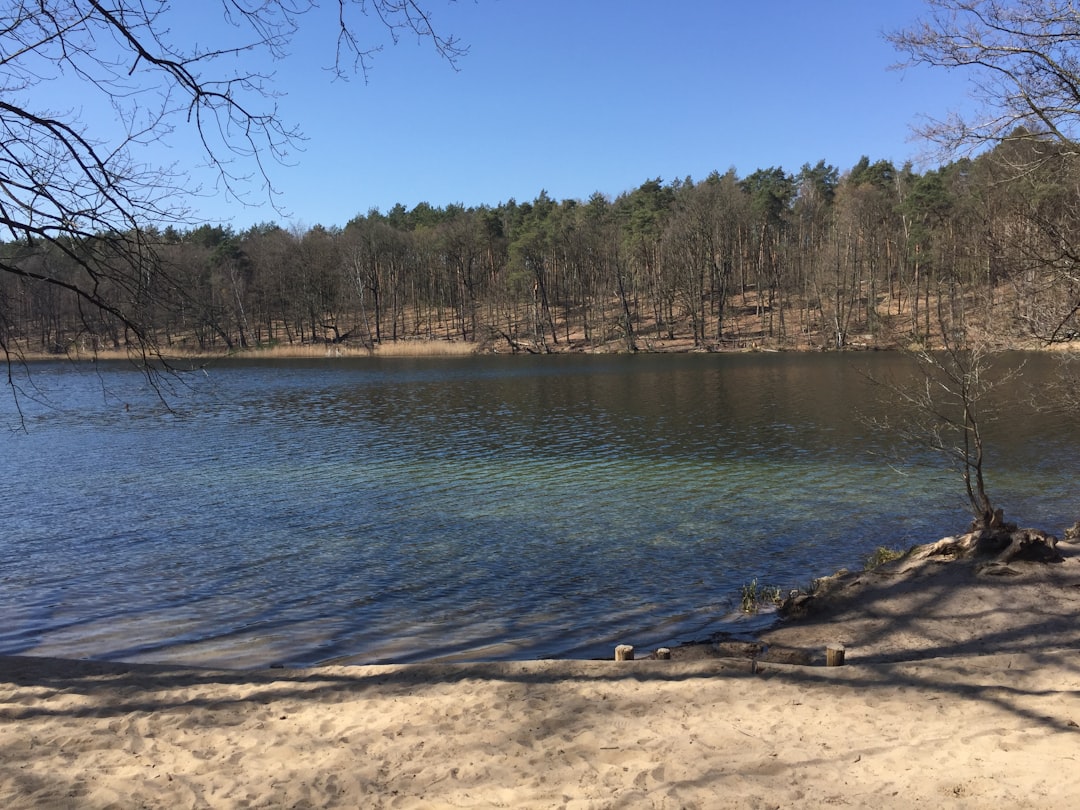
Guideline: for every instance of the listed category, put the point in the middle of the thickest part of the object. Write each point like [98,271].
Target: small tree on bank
[1023,58]
[945,409]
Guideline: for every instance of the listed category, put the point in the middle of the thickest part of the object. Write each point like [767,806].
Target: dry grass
[401,348]
[300,351]
[77,355]
[286,351]
[424,348]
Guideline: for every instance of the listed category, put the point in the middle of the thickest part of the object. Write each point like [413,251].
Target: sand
[960,690]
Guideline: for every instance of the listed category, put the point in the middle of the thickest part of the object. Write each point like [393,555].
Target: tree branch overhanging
[67,190]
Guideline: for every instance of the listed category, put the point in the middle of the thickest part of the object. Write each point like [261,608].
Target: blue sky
[577,96]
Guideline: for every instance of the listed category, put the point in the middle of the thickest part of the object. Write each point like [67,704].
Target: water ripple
[489,508]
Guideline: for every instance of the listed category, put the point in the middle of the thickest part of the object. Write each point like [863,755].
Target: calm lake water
[361,511]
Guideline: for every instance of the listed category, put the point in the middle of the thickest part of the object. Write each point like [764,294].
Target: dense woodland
[877,255]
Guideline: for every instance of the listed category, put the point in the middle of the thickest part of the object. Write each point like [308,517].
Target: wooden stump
[663,654]
[834,655]
[624,652]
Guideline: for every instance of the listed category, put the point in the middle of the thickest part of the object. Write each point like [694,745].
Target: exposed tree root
[988,551]
[1002,543]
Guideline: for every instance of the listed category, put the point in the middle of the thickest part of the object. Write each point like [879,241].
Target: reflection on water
[459,509]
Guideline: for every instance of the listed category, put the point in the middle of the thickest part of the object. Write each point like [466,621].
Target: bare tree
[1023,58]
[945,410]
[90,201]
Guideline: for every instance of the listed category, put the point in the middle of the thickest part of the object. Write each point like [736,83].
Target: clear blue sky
[577,96]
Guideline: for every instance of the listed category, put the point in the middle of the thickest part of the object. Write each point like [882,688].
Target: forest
[872,256]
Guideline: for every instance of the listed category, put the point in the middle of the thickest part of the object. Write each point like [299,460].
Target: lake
[480,508]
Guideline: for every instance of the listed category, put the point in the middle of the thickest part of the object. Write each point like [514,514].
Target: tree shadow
[939,631]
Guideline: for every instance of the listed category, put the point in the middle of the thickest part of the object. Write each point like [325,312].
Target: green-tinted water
[489,507]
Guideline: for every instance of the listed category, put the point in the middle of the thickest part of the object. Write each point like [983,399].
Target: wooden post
[834,655]
[663,654]
[624,652]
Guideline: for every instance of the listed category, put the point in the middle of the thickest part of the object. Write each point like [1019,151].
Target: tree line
[876,255]
[100,252]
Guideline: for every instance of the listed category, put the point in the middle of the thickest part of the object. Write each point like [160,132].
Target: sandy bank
[978,712]
[996,730]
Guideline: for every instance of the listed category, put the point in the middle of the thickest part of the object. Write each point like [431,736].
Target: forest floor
[749,326]
[576,343]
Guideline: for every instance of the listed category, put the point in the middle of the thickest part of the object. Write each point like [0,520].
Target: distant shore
[446,348]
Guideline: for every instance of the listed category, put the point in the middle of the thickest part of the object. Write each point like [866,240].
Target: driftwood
[521,345]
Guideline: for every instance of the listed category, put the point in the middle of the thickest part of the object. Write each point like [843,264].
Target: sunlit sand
[959,691]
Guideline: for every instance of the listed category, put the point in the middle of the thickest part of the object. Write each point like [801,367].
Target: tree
[701,246]
[86,207]
[771,193]
[946,412]
[530,257]
[1025,58]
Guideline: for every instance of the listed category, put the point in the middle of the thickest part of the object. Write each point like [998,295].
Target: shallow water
[459,509]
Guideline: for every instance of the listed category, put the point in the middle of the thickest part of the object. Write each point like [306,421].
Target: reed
[302,351]
[755,596]
[401,348]
[276,351]
[424,348]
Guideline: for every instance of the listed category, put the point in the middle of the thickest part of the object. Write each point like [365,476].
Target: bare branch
[1023,59]
[82,206]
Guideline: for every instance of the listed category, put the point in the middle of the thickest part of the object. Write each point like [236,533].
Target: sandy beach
[961,689]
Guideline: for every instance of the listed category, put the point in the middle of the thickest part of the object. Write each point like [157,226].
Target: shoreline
[960,689]
[440,348]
